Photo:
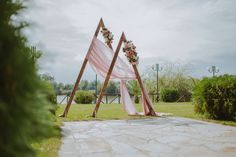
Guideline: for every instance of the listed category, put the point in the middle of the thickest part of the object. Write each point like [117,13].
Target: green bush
[216,97]
[184,95]
[84,97]
[169,95]
[136,99]
[50,95]
[24,110]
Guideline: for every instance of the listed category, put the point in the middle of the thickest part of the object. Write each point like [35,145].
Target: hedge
[169,94]
[84,97]
[216,97]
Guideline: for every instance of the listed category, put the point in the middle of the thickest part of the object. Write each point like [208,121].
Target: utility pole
[213,69]
[157,68]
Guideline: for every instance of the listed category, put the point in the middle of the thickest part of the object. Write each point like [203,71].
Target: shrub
[50,95]
[216,97]
[134,90]
[24,115]
[84,97]
[169,95]
[173,75]
[136,99]
[49,92]
[184,95]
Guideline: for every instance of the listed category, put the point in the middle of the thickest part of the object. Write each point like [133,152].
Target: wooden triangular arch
[121,41]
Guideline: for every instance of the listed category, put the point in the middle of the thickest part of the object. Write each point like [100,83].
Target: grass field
[49,148]
[115,111]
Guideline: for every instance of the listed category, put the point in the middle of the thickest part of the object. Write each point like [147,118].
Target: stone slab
[157,137]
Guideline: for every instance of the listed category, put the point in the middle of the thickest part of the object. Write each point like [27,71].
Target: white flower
[110,36]
[129,44]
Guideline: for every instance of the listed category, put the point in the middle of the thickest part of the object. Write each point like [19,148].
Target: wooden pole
[151,110]
[75,88]
[100,25]
[108,76]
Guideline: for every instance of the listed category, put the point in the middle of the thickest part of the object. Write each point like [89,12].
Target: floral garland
[130,52]
[108,36]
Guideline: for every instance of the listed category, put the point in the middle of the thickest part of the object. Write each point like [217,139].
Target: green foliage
[134,89]
[136,99]
[172,76]
[87,85]
[216,97]
[150,84]
[112,88]
[24,110]
[84,97]
[169,95]
[83,85]
[47,77]
[50,94]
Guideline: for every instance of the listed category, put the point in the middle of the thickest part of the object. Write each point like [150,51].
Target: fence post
[106,100]
[67,99]
[119,98]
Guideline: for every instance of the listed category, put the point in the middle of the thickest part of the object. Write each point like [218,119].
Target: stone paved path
[159,137]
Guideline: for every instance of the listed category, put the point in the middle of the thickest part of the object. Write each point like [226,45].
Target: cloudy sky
[199,33]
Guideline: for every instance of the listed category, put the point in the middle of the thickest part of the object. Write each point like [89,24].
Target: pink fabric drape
[126,100]
[99,58]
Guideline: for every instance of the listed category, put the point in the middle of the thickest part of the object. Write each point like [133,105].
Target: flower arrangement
[108,36]
[130,52]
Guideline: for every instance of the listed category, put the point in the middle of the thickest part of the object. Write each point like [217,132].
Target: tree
[24,109]
[47,77]
[111,88]
[83,85]
[92,85]
[175,76]
[68,87]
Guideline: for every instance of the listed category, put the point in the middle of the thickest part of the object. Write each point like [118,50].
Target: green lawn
[49,148]
[115,111]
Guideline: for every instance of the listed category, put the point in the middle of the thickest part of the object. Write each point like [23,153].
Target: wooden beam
[74,88]
[100,25]
[151,110]
[108,75]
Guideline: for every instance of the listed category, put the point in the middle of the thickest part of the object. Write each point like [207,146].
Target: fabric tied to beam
[100,57]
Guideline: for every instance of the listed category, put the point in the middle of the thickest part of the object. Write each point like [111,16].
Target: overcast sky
[200,33]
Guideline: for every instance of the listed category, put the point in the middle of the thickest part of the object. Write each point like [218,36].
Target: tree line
[173,77]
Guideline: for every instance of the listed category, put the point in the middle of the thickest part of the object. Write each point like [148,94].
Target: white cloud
[197,31]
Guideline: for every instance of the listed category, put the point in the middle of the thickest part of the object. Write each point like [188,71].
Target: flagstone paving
[157,137]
